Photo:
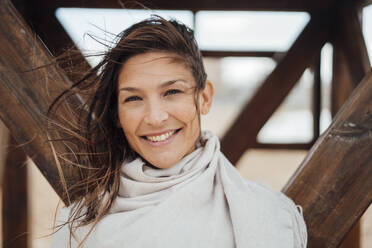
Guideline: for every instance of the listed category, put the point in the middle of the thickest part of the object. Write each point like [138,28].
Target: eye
[172,92]
[132,99]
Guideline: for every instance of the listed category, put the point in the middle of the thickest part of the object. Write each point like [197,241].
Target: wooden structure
[333,190]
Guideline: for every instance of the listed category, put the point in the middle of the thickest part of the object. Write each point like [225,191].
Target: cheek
[184,111]
[128,121]
[189,117]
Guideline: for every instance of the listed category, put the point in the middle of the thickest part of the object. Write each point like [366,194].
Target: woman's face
[156,107]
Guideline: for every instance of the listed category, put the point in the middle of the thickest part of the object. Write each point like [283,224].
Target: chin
[165,162]
[162,165]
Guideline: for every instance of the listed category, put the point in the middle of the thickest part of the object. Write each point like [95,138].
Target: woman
[149,176]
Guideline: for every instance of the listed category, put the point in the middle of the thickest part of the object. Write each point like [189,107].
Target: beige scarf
[202,201]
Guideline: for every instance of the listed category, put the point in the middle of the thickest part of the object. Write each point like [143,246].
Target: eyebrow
[163,85]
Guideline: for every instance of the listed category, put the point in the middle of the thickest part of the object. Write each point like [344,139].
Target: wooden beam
[4,137]
[317,99]
[225,53]
[350,56]
[353,237]
[194,5]
[350,64]
[347,33]
[342,85]
[242,134]
[51,32]
[365,3]
[280,146]
[26,92]
[45,24]
[40,14]
[14,199]
[334,182]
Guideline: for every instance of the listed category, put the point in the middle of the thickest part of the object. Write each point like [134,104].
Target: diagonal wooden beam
[44,23]
[26,92]
[334,182]
[242,134]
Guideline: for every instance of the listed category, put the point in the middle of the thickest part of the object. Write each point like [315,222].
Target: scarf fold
[202,201]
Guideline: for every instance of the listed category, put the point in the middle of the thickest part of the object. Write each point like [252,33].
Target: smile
[161,138]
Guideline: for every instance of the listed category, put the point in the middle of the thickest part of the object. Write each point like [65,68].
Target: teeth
[160,137]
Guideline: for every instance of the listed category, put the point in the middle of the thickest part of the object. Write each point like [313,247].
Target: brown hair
[98,146]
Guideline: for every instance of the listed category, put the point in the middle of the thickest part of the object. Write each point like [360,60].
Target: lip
[161,143]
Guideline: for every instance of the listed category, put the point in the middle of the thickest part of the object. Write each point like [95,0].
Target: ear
[206,98]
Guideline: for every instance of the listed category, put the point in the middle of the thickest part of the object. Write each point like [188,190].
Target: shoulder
[62,236]
[284,209]
[273,211]
[274,216]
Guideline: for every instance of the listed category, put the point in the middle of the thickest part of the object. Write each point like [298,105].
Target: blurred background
[236,78]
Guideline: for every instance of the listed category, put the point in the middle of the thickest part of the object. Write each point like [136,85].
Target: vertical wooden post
[14,212]
[317,103]
[342,85]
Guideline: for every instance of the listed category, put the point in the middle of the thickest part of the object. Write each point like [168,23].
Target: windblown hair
[96,145]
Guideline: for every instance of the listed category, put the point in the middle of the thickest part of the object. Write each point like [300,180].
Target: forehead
[154,66]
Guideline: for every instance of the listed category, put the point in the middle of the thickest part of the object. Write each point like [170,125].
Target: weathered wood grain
[342,87]
[26,92]
[350,64]
[44,23]
[242,134]
[334,182]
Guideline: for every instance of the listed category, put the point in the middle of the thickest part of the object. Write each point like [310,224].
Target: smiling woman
[156,107]
[149,177]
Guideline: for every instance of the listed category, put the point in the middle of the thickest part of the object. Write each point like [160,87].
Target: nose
[156,115]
